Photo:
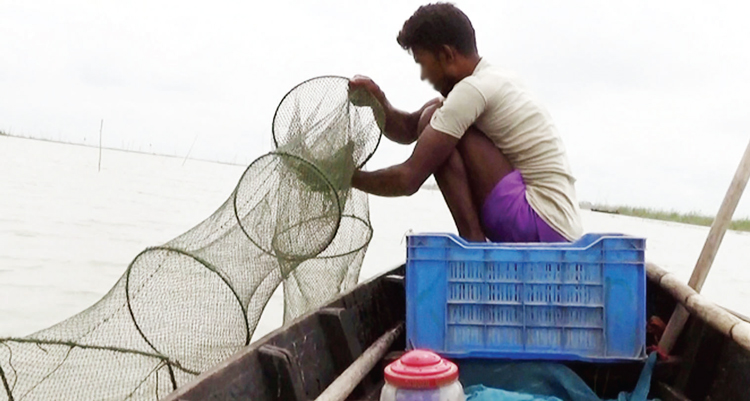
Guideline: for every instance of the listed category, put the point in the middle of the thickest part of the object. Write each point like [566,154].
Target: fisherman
[495,154]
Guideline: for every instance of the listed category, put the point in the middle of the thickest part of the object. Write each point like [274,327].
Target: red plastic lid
[420,369]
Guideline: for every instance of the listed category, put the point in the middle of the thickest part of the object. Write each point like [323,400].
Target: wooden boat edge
[706,364]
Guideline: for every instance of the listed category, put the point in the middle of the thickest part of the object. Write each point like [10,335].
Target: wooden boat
[711,360]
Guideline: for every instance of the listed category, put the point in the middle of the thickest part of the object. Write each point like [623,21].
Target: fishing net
[180,308]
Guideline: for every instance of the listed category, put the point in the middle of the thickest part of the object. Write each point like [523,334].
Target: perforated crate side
[584,300]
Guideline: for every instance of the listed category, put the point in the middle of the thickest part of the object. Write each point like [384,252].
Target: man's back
[495,102]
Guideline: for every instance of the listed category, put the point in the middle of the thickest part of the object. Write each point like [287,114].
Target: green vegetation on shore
[687,218]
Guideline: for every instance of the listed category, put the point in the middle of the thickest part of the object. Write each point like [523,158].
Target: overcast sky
[651,98]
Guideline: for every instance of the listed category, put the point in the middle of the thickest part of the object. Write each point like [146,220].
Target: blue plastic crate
[568,301]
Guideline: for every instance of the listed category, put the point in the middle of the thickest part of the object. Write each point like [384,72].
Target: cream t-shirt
[497,104]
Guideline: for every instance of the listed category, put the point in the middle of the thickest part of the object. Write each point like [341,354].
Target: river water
[68,231]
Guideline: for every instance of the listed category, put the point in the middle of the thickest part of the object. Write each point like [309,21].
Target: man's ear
[447,54]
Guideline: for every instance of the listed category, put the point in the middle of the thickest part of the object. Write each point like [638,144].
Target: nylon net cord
[180,308]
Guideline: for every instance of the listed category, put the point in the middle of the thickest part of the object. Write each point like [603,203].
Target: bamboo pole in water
[710,248]
[190,150]
[101,126]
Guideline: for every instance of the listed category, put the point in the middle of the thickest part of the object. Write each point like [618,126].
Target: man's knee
[426,116]
[473,137]
[453,166]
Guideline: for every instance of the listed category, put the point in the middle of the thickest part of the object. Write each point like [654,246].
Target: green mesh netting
[185,306]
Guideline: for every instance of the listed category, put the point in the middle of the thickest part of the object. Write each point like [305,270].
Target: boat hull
[297,362]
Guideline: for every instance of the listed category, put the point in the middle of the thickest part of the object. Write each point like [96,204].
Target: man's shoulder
[489,78]
[486,81]
[495,82]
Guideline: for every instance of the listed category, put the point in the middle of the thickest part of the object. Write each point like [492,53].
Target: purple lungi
[508,217]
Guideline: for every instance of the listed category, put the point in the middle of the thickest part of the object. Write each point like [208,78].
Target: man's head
[441,39]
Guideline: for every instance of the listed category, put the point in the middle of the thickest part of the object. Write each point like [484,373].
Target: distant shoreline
[3,133]
[664,215]
[693,218]
[647,213]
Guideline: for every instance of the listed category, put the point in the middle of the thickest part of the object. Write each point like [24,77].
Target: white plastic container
[422,376]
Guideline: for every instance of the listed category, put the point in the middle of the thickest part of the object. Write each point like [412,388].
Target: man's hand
[363,82]
[362,93]
[400,126]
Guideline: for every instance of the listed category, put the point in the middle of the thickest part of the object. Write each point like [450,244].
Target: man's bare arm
[400,126]
[432,150]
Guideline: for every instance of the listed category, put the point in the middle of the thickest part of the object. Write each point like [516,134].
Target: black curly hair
[435,25]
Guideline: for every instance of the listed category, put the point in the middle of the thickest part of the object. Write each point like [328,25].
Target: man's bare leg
[468,177]
[453,182]
[485,164]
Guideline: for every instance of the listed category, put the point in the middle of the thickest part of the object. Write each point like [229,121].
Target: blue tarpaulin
[534,381]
